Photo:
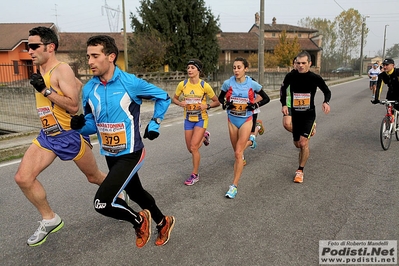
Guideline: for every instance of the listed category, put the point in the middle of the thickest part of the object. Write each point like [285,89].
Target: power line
[340,5]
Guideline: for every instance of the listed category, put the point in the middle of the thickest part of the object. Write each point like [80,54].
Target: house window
[273,34]
[235,52]
[16,68]
[246,52]
[299,35]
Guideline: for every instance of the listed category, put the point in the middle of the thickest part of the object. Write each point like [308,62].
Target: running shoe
[207,137]
[298,176]
[45,228]
[194,178]
[143,231]
[261,128]
[253,139]
[231,194]
[164,232]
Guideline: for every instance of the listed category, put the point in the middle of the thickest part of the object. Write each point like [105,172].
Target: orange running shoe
[164,232]
[143,232]
[261,128]
[298,176]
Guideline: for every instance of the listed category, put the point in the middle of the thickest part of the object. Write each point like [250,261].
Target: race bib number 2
[49,123]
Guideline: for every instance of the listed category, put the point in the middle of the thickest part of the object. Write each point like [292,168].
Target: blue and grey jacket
[112,110]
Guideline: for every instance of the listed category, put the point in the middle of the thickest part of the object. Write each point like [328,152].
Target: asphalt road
[350,192]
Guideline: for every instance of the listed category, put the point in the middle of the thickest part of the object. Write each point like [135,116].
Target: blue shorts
[238,121]
[188,125]
[68,145]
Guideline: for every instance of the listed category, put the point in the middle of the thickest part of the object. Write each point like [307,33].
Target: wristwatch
[47,92]
[157,120]
[208,106]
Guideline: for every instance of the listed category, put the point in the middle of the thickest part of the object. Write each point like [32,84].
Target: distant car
[343,70]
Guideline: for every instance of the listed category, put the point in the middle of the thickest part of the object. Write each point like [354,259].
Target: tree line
[169,32]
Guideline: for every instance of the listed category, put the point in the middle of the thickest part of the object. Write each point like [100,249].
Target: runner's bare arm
[64,79]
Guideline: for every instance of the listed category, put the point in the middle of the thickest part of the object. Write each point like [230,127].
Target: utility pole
[56,17]
[261,45]
[385,38]
[361,46]
[124,37]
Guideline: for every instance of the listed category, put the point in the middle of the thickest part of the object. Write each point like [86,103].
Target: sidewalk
[13,146]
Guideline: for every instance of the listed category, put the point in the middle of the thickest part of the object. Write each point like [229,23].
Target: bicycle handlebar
[388,101]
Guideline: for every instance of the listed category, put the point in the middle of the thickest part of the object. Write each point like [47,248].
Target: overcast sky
[235,15]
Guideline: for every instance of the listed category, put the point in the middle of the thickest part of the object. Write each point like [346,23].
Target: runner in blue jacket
[111,102]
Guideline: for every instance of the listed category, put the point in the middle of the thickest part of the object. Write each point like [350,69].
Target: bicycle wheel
[385,133]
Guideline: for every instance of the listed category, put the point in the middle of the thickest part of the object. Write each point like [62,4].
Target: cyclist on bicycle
[389,76]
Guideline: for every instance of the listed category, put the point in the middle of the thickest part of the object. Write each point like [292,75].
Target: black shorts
[302,124]
[254,117]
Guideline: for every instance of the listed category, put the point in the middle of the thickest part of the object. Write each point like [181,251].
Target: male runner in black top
[303,86]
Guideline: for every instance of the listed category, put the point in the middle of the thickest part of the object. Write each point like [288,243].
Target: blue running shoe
[232,192]
[253,139]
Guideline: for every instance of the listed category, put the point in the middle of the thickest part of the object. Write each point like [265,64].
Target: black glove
[78,121]
[375,101]
[151,135]
[38,82]
[228,105]
[252,106]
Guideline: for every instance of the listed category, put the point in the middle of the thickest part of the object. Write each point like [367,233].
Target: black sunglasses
[34,46]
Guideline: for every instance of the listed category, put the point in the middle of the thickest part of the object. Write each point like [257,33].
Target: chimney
[274,21]
[257,19]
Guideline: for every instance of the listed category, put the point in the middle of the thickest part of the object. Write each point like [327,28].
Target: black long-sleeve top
[303,83]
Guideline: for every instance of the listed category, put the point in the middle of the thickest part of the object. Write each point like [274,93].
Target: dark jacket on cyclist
[392,81]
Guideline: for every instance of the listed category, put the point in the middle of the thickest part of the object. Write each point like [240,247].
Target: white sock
[55,220]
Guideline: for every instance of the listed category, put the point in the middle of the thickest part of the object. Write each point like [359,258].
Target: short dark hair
[108,43]
[243,60]
[47,35]
[303,54]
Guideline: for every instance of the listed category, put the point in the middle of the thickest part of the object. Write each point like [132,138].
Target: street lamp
[361,46]
[385,38]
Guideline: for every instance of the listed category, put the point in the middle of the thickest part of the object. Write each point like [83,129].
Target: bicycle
[389,124]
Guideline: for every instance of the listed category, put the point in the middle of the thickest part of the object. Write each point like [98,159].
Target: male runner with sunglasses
[57,99]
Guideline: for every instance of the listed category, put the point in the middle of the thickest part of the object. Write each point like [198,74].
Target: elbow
[73,109]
